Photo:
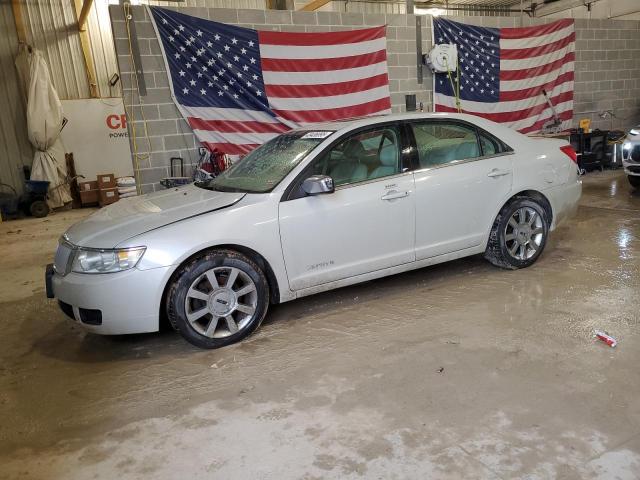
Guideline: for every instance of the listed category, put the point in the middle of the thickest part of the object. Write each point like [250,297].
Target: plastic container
[39,187]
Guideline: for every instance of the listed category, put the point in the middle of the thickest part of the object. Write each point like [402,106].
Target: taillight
[570,152]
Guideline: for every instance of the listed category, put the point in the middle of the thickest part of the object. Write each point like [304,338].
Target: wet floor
[456,371]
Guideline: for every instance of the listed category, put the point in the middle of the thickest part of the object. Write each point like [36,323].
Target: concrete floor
[455,371]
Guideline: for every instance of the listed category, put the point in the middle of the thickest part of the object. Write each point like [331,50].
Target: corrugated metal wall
[102,49]
[15,149]
[51,28]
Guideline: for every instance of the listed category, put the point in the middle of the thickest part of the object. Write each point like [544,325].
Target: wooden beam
[85,44]
[314,5]
[19,19]
[84,13]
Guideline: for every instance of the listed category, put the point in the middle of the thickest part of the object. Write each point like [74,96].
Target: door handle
[393,194]
[498,173]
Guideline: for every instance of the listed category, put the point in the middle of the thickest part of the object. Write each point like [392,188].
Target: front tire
[218,299]
[634,181]
[519,234]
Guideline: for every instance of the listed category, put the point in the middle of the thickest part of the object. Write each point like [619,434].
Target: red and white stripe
[232,131]
[532,59]
[309,78]
[319,77]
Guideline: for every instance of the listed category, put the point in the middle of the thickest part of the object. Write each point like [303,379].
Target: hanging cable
[454,88]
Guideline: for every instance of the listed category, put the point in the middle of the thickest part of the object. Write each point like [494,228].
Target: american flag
[503,72]
[239,87]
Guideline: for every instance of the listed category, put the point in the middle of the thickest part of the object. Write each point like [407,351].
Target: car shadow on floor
[70,342]
[373,290]
[74,344]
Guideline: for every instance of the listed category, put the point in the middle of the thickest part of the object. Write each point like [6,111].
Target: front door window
[364,156]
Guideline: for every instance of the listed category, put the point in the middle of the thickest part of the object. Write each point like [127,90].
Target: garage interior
[457,370]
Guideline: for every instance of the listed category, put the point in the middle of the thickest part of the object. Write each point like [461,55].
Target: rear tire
[218,299]
[519,234]
[634,181]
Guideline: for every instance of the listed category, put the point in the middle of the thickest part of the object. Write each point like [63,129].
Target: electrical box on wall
[410,102]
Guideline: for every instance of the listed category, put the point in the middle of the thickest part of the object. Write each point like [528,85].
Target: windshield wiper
[220,188]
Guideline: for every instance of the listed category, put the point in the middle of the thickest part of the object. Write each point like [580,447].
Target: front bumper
[631,168]
[128,302]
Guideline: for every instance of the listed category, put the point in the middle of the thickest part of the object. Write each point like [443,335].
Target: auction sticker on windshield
[316,134]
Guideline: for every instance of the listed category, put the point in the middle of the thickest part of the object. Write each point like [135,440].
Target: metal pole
[409,7]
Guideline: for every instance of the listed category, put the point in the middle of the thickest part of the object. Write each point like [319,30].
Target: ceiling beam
[314,5]
[82,11]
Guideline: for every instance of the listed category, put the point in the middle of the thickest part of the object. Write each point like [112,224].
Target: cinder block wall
[607,70]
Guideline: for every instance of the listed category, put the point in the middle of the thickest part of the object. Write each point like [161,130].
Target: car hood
[133,216]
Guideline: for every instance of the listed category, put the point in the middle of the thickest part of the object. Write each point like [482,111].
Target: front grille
[62,261]
[633,169]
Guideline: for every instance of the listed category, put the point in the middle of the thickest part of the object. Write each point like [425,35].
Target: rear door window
[441,143]
[492,145]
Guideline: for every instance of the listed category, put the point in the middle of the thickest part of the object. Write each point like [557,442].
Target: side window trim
[409,152]
[503,146]
[460,162]
[411,147]
[373,180]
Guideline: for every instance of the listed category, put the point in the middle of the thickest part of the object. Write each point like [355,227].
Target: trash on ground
[441,369]
[606,338]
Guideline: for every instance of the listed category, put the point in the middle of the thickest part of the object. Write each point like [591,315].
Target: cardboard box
[84,186]
[108,196]
[106,181]
[89,197]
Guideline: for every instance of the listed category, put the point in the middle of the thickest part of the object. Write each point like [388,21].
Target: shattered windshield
[262,169]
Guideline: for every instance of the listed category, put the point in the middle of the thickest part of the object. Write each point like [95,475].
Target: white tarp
[44,122]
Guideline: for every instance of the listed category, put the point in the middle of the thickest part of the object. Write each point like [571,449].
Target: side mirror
[318,184]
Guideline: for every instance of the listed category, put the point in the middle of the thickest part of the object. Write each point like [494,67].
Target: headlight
[91,260]
[634,131]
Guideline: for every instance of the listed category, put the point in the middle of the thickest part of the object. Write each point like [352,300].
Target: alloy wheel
[221,302]
[524,233]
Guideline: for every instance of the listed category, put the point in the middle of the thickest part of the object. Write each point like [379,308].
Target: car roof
[349,124]
[503,132]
